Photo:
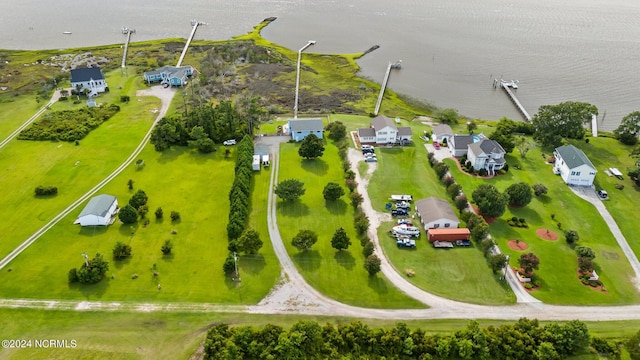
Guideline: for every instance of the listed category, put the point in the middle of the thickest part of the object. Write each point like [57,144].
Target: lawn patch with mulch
[517,245]
[546,234]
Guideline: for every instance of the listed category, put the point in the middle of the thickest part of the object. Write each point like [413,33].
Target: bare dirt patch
[547,234]
[517,245]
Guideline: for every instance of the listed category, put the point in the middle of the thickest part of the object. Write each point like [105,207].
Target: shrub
[361,222]
[159,213]
[72,275]
[128,214]
[121,251]
[368,248]
[166,247]
[528,286]
[539,189]
[356,199]
[46,190]
[482,172]
[229,265]
[448,181]
[175,216]
[351,184]
[441,170]
[332,191]
[454,190]
[571,236]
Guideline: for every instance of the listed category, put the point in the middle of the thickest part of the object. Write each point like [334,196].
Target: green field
[558,263]
[339,275]
[178,179]
[73,169]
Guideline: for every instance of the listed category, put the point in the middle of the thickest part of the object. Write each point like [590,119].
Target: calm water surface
[583,50]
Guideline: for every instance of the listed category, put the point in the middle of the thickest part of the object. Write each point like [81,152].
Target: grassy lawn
[179,179]
[340,275]
[558,264]
[15,111]
[624,205]
[73,169]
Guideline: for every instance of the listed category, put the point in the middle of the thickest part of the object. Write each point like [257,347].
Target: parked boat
[405,229]
[67,32]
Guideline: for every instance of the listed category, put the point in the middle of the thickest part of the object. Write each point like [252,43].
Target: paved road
[165,96]
[54,98]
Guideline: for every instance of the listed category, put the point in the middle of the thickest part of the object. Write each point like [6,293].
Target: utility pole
[235,262]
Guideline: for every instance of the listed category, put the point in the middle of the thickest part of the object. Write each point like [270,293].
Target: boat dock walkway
[128,32]
[396,65]
[195,25]
[508,86]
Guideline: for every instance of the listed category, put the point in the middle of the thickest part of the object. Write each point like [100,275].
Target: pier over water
[508,87]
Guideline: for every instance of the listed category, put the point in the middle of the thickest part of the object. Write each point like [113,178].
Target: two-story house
[574,166]
[90,79]
[384,131]
[486,154]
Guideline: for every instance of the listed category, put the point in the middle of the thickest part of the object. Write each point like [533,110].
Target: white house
[436,213]
[442,132]
[384,131]
[100,210]
[574,166]
[90,79]
[300,128]
[486,154]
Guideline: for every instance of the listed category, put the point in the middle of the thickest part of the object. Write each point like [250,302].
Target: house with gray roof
[486,154]
[384,131]
[574,166]
[442,132]
[459,144]
[436,213]
[89,79]
[99,211]
[169,75]
[300,128]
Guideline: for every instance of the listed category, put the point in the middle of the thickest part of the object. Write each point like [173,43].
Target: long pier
[128,32]
[195,25]
[396,65]
[507,86]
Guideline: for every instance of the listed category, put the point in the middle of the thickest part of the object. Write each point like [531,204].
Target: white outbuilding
[100,211]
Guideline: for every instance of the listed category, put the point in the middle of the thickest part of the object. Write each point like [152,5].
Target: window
[447,225]
[577,173]
[592,173]
[435,226]
[382,133]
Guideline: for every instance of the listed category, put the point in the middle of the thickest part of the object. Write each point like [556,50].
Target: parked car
[436,145]
[405,221]
[367,147]
[406,243]
[229,142]
[368,151]
[370,159]
[399,212]
[602,194]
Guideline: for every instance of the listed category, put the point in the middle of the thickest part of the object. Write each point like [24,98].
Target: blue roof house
[300,128]
[169,75]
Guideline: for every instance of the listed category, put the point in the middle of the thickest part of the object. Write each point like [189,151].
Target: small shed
[99,211]
[256,162]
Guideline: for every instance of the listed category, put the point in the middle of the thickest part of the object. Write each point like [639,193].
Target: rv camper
[256,162]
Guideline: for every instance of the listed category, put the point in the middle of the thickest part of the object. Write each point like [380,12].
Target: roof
[432,209]
[462,141]
[98,205]
[442,129]
[381,121]
[574,157]
[366,132]
[404,131]
[172,71]
[305,125]
[486,146]
[86,74]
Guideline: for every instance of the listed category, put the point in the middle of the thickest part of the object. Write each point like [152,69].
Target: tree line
[525,339]
[68,125]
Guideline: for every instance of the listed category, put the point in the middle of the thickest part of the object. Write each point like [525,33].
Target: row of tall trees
[525,340]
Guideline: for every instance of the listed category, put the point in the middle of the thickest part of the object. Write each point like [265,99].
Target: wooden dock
[195,25]
[507,86]
[128,32]
[396,65]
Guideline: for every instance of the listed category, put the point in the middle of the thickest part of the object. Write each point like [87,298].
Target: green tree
[93,270]
[290,189]
[167,247]
[461,202]
[311,147]
[497,262]
[121,251]
[175,216]
[340,240]
[130,184]
[252,109]
[368,249]
[629,129]
[200,140]
[633,346]
[372,264]
[72,276]
[552,123]
[337,130]
[586,252]
[471,126]
[506,140]
[519,194]
[454,190]
[571,236]
[447,116]
[529,262]
[332,191]
[546,351]
[159,213]
[138,199]
[249,242]
[229,265]
[489,200]
[523,146]
[539,189]
[304,240]
[128,214]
